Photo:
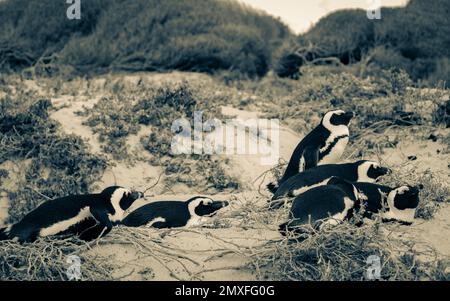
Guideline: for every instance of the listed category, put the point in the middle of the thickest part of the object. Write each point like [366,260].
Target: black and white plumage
[339,200]
[173,214]
[89,216]
[323,205]
[325,144]
[359,171]
[397,204]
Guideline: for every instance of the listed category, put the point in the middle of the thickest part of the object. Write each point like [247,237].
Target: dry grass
[47,260]
[341,253]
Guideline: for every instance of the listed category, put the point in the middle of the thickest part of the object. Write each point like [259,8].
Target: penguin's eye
[207,202]
[402,190]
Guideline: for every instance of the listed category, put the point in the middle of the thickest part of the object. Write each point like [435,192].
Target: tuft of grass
[48,260]
[435,191]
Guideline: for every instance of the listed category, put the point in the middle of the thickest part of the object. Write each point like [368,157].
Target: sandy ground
[204,252]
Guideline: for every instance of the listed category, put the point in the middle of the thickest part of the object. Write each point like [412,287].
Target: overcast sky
[301,14]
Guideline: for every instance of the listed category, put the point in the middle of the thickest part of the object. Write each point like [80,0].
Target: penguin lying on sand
[325,144]
[88,216]
[328,204]
[172,214]
[339,199]
[360,171]
[399,204]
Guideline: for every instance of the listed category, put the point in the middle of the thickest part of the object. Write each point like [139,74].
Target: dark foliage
[133,35]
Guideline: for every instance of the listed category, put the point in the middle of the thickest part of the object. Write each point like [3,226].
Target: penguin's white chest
[336,152]
[195,221]
[62,226]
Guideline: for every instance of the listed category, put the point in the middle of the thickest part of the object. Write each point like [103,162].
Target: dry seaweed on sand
[435,191]
[48,260]
[341,253]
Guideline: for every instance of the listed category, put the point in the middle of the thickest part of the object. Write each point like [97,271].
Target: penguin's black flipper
[272,187]
[93,233]
[344,184]
[103,227]
[311,157]
[3,234]
[294,230]
[160,225]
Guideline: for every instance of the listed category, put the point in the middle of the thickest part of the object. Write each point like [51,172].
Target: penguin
[359,171]
[323,205]
[173,214]
[89,216]
[339,199]
[393,204]
[325,144]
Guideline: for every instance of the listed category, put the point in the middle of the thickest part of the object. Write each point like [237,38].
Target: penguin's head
[402,203]
[204,206]
[120,197]
[370,171]
[336,118]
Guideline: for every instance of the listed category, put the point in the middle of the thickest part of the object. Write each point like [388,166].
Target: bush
[345,34]
[404,38]
[204,35]
[286,61]
[33,28]
[441,73]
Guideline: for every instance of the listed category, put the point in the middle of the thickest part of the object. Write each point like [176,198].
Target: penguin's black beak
[384,171]
[135,195]
[219,204]
[417,189]
[349,115]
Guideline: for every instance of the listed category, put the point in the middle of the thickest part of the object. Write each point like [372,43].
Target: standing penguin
[173,214]
[89,216]
[360,171]
[325,144]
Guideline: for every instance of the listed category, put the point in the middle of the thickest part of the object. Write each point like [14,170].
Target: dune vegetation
[74,119]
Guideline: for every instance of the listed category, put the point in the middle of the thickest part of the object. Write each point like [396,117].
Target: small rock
[412,158]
